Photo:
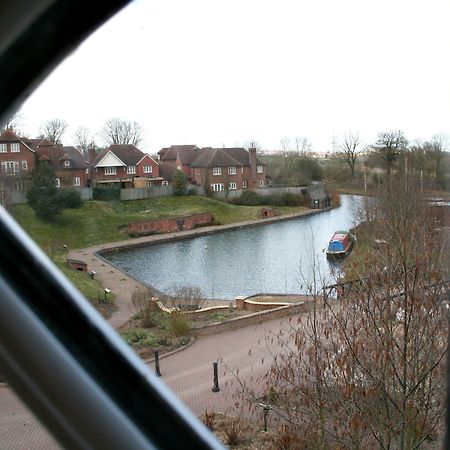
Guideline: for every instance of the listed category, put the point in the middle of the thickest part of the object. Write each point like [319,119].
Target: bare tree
[14,123]
[121,132]
[388,146]
[439,145]
[53,130]
[83,139]
[349,150]
[302,145]
[285,144]
[185,298]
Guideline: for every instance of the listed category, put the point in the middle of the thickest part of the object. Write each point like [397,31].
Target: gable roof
[166,171]
[39,142]
[58,154]
[129,154]
[9,135]
[186,153]
[223,157]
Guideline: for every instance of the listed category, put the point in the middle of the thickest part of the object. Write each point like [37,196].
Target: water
[284,257]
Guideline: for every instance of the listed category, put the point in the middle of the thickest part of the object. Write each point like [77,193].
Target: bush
[139,338]
[233,431]
[104,193]
[178,324]
[70,198]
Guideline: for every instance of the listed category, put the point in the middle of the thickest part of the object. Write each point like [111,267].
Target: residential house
[180,157]
[125,166]
[17,160]
[223,169]
[69,163]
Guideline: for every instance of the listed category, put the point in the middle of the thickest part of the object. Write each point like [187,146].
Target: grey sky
[221,73]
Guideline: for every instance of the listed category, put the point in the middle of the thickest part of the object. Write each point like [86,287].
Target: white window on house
[87,171]
[231,170]
[232,185]
[261,183]
[217,187]
[259,168]
[244,185]
[131,169]
[58,182]
[66,163]
[20,186]
[76,181]
[10,167]
[24,165]
[165,183]
[148,169]
[110,171]
[3,148]
[217,170]
[15,148]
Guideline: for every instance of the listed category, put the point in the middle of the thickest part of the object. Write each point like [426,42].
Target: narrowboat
[341,244]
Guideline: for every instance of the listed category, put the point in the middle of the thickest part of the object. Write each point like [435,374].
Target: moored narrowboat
[341,244]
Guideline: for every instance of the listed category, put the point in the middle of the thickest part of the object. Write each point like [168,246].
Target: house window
[244,185]
[217,187]
[110,170]
[10,167]
[165,183]
[261,183]
[66,163]
[57,182]
[217,170]
[87,171]
[259,168]
[231,170]
[24,165]
[15,148]
[19,186]
[232,185]
[76,181]
[131,169]
[148,169]
[3,148]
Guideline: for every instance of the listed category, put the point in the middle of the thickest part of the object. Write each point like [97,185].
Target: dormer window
[66,163]
[15,148]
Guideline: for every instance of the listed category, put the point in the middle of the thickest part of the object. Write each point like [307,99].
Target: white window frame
[15,147]
[148,169]
[76,181]
[110,170]
[261,183]
[259,168]
[131,169]
[24,165]
[66,163]
[244,185]
[217,170]
[58,182]
[3,148]
[20,186]
[232,185]
[87,171]
[217,187]
[232,170]
[10,167]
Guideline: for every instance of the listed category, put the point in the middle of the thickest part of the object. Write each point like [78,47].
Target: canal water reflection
[277,258]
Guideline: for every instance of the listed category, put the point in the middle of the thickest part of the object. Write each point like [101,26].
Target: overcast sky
[216,73]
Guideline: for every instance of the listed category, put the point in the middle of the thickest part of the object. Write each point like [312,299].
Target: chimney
[252,158]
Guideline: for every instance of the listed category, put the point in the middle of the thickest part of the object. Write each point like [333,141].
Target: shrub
[178,324]
[106,193]
[140,299]
[139,338]
[70,198]
[209,419]
[233,431]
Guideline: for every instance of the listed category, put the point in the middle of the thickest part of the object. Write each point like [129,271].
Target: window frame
[232,170]
[232,185]
[217,171]
[148,168]
[131,170]
[14,147]
[110,170]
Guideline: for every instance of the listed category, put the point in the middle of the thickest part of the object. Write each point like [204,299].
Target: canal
[284,257]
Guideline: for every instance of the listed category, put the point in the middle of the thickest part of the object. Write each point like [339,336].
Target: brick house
[223,169]
[69,163]
[180,157]
[125,166]
[17,160]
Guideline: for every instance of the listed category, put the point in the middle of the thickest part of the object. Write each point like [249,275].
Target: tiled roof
[223,157]
[166,171]
[9,135]
[35,143]
[58,154]
[128,154]
[187,153]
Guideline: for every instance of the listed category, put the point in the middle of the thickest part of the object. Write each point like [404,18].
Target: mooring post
[216,387]
[266,416]
[157,371]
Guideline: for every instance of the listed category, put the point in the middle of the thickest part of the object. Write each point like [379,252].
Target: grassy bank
[98,222]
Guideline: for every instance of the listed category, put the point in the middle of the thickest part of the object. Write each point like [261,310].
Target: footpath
[123,285]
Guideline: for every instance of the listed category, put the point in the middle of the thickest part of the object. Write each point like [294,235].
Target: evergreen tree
[43,195]
[179,183]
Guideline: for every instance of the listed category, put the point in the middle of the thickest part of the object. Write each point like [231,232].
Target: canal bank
[123,285]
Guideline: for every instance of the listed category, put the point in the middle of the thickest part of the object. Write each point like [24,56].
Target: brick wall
[170,225]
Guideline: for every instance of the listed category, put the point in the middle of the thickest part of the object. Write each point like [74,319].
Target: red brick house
[180,157]
[223,169]
[17,160]
[125,166]
[69,163]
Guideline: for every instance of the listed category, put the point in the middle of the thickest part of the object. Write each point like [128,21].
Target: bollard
[157,371]
[216,387]
[266,415]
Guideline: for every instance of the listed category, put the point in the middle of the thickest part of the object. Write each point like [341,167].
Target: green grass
[99,222]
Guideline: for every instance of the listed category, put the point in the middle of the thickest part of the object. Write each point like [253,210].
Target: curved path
[123,285]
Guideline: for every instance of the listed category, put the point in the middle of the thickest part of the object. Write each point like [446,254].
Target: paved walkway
[123,285]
